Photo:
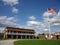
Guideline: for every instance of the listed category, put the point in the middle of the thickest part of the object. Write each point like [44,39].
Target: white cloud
[33,23]
[54,21]
[10,2]
[49,14]
[58,13]
[1,29]
[51,20]
[56,24]
[36,24]
[10,18]
[14,10]
[43,26]
[46,29]
[32,17]
[47,17]
[7,21]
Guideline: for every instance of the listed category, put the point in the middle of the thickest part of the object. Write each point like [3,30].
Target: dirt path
[7,42]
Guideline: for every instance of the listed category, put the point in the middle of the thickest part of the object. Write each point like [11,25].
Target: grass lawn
[37,42]
[2,39]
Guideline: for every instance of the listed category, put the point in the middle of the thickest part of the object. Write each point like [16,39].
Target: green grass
[37,42]
[2,39]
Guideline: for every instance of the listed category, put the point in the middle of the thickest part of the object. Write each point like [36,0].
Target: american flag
[51,10]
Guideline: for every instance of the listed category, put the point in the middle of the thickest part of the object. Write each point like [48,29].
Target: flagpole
[49,30]
[49,26]
[51,10]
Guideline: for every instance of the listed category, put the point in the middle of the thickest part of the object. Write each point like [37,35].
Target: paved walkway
[7,42]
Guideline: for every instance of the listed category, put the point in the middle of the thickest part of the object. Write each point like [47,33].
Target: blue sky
[26,9]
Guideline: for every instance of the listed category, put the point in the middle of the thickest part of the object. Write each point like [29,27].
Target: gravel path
[7,42]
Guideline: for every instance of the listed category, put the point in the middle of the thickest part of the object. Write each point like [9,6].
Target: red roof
[20,29]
